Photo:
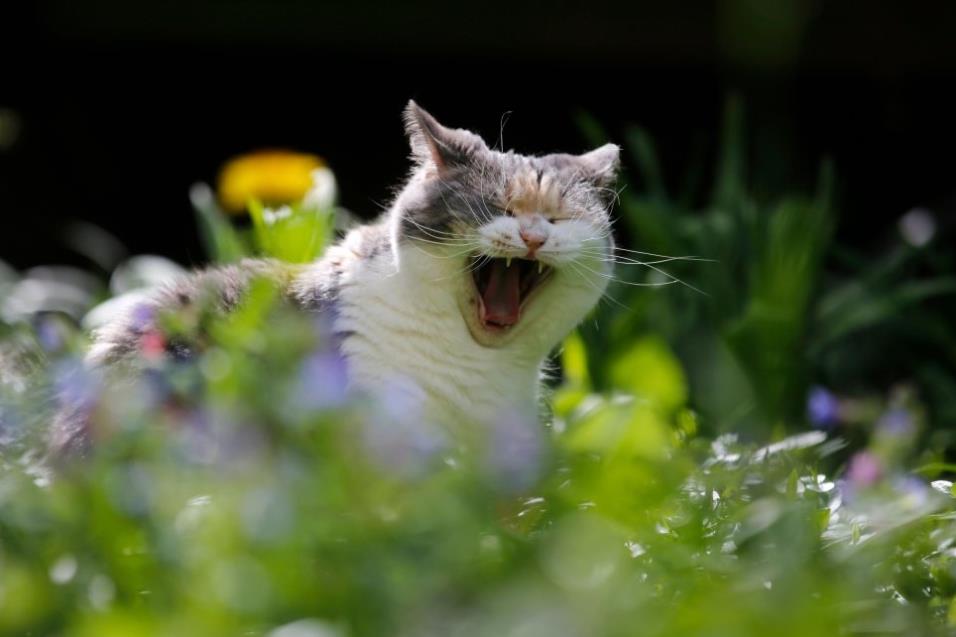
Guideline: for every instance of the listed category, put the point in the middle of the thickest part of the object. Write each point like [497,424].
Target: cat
[455,297]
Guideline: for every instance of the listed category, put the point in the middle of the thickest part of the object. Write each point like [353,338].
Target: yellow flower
[270,176]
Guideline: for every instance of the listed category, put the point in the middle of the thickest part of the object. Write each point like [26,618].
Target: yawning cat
[455,296]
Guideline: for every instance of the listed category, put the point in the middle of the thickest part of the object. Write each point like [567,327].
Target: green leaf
[649,370]
[574,362]
[295,234]
[866,309]
[730,182]
[223,243]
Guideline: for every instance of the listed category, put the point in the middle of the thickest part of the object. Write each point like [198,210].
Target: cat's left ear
[442,147]
[601,165]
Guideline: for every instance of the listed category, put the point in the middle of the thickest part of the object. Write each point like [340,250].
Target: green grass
[226,499]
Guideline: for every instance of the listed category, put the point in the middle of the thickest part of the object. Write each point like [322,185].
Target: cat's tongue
[502,294]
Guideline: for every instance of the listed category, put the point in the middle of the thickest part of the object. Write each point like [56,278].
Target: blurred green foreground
[755,448]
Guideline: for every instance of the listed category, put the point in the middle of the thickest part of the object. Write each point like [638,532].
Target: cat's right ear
[436,145]
[601,165]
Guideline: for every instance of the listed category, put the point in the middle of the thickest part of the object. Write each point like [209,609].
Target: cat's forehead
[537,184]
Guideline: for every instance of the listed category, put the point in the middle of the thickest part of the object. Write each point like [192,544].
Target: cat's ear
[601,165]
[436,145]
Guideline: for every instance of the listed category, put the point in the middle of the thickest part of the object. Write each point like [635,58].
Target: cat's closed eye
[509,212]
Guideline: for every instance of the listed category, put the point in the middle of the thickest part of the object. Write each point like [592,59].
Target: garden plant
[749,436]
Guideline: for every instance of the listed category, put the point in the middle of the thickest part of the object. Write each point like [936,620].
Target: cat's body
[455,297]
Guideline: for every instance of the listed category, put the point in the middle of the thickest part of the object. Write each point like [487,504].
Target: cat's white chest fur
[404,333]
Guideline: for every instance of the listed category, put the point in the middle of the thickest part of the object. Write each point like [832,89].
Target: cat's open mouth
[504,287]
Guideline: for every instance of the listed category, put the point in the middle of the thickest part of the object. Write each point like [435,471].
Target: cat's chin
[497,294]
[485,334]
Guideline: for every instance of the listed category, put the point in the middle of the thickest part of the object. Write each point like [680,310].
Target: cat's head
[526,239]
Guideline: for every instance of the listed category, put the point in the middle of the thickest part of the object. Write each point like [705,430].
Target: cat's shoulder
[221,289]
[319,284]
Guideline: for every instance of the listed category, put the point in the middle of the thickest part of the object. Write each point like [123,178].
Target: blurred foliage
[765,318]
[243,491]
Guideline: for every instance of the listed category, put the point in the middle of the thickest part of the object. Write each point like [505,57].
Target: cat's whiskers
[615,195]
[432,231]
[605,294]
[671,279]
[461,243]
[478,263]
[468,249]
[442,237]
[455,240]
[623,260]
[619,260]
[486,215]
[665,256]
[475,214]
[433,234]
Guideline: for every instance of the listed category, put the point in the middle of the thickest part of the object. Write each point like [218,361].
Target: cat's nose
[532,238]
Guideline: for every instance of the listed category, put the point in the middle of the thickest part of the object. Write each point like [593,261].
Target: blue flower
[914,490]
[517,451]
[823,408]
[49,334]
[76,386]
[896,423]
[142,317]
[322,382]
[396,433]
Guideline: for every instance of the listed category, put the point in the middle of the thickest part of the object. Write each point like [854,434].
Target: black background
[122,105]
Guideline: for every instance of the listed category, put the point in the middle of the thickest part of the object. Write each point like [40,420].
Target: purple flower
[49,334]
[76,386]
[323,382]
[156,387]
[397,434]
[516,451]
[865,469]
[823,408]
[142,316]
[913,489]
[218,436]
[845,494]
[896,423]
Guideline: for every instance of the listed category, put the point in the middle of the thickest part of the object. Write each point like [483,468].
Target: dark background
[116,107]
